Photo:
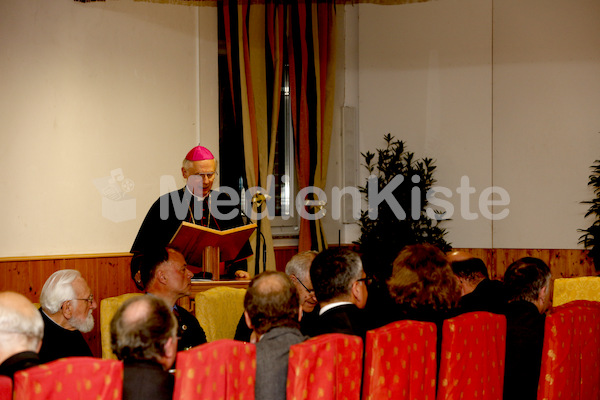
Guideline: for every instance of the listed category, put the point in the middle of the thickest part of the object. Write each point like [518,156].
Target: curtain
[311,46]
[254,41]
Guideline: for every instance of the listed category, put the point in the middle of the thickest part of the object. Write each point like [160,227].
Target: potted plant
[591,236]
[382,238]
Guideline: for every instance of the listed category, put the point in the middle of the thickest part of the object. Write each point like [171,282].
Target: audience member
[163,273]
[21,332]
[67,303]
[273,311]
[424,288]
[423,285]
[340,287]
[478,291]
[143,334]
[298,270]
[527,282]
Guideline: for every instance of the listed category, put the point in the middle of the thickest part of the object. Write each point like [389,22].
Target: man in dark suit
[527,282]
[143,335]
[21,332]
[163,273]
[273,310]
[478,291]
[340,287]
[67,303]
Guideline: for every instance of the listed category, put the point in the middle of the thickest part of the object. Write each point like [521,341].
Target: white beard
[83,325]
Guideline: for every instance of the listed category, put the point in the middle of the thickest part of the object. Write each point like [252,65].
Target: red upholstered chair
[571,353]
[400,361]
[74,378]
[223,369]
[327,367]
[5,388]
[472,357]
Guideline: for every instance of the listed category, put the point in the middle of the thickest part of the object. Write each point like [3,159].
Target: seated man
[339,281]
[164,274]
[67,303]
[143,334]
[273,312]
[297,269]
[527,282]
[21,332]
[478,292]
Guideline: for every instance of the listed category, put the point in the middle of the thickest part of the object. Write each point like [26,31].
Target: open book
[191,240]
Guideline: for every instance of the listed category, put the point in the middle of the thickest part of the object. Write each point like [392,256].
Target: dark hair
[472,269]
[422,276]
[145,263]
[272,301]
[142,336]
[333,271]
[525,278]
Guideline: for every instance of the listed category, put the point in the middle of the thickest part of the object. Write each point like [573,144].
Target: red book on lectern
[190,240]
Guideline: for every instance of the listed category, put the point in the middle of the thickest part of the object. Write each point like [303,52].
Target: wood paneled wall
[109,275]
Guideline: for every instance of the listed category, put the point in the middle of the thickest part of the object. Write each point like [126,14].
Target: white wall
[508,96]
[86,89]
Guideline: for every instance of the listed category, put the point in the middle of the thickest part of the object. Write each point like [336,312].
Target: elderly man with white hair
[67,304]
[21,332]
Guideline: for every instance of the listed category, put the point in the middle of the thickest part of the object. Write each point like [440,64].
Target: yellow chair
[580,288]
[219,310]
[108,308]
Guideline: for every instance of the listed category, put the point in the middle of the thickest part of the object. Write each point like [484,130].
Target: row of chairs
[399,363]
[218,310]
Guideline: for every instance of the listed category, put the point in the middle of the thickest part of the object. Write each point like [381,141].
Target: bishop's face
[200,176]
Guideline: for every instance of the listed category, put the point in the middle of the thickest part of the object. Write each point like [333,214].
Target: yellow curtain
[312,29]
[259,26]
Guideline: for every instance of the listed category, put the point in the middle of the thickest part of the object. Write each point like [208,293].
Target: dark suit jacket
[59,342]
[190,332]
[346,318]
[489,295]
[146,380]
[19,362]
[272,354]
[524,342]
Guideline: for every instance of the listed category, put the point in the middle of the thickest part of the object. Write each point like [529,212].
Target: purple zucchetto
[199,153]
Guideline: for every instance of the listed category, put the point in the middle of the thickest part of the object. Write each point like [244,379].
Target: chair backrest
[571,353]
[472,357]
[74,378]
[579,288]
[400,361]
[222,369]
[326,367]
[108,308]
[219,310]
[5,388]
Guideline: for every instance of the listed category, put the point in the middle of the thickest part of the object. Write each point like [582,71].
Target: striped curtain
[254,40]
[255,33]
[311,57]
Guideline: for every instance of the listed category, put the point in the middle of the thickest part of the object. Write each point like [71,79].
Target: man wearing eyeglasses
[67,304]
[340,285]
[196,203]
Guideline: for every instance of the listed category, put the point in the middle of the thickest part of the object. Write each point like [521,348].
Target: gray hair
[141,328]
[187,164]
[299,265]
[20,324]
[58,289]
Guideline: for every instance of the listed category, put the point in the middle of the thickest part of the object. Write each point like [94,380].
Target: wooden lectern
[207,247]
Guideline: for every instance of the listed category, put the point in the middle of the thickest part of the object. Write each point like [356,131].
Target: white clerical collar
[201,198]
[333,305]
